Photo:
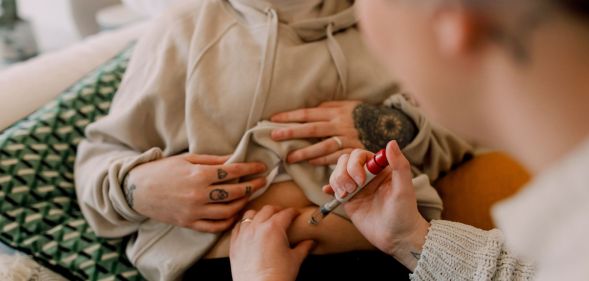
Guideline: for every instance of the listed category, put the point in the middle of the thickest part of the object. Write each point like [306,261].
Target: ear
[457,31]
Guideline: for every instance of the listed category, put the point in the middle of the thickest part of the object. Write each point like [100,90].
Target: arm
[129,168]
[449,243]
[430,149]
[385,212]
[126,138]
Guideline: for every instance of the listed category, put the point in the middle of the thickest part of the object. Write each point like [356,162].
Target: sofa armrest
[470,191]
[27,86]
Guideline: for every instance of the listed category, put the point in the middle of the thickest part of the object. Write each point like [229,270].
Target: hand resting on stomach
[334,235]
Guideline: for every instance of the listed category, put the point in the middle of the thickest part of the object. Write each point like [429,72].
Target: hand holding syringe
[372,168]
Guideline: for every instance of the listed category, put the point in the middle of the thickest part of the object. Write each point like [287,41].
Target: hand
[260,249]
[191,191]
[385,212]
[328,120]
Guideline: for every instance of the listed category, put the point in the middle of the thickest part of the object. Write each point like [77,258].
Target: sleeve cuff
[117,173]
[455,251]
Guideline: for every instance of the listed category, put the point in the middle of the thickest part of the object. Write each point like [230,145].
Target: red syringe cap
[378,162]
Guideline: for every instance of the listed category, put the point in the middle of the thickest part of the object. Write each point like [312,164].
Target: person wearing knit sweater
[509,74]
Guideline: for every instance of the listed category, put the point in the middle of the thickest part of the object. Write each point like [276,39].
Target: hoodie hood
[338,13]
[333,16]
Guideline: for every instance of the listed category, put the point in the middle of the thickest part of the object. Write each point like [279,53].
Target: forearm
[453,251]
[100,171]
[434,150]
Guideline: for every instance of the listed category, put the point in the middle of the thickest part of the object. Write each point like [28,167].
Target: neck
[547,114]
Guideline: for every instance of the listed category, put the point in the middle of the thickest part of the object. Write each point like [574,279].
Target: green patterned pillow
[39,213]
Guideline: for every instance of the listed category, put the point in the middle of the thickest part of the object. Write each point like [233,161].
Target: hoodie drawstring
[339,60]
[267,70]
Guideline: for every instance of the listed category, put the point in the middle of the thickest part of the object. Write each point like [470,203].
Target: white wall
[52,22]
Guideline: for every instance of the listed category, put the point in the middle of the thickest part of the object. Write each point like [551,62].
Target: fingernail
[358,180]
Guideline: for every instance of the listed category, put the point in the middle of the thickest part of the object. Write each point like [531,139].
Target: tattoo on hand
[416,255]
[128,190]
[377,125]
[248,190]
[221,174]
[218,195]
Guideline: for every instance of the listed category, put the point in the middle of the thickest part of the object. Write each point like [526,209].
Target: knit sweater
[546,223]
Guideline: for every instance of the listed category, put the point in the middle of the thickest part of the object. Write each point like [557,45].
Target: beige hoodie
[208,72]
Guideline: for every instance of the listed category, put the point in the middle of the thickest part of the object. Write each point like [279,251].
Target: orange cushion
[470,190]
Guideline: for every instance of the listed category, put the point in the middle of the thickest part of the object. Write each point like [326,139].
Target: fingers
[230,192]
[317,150]
[302,115]
[222,173]
[248,214]
[327,189]
[398,162]
[203,159]
[303,249]
[224,210]
[355,166]
[336,103]
[265,213]
[331,158]
[285,217]
[305,131]
[212,226]
[340,180]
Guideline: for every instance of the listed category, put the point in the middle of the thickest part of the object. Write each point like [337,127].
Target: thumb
[302,249]
[400,165]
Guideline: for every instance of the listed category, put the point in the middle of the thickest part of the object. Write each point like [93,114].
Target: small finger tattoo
[221,174]
[248,190]
[218,195]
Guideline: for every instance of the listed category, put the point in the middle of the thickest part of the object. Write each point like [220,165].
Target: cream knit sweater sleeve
[454,251]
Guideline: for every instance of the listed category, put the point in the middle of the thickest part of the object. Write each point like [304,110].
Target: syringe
[372,168]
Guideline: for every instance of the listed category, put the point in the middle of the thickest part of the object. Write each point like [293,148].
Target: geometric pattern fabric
[39,212]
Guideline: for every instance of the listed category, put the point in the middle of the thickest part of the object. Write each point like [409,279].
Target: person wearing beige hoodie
[519,70]
[200,86]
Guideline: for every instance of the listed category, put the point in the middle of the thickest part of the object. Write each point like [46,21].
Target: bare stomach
[334,235]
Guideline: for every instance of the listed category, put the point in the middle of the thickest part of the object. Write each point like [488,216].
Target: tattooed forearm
[218,195]
[129,189]
[221,174]
[378,125]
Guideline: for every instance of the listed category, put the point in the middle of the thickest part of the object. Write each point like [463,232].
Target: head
[487,69]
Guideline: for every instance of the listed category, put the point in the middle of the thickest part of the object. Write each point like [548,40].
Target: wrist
[408,250]
[129,187]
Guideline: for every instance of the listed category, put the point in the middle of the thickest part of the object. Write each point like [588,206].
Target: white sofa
[27,86]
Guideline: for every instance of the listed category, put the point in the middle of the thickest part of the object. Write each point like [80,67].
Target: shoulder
[177,26]
[192,13]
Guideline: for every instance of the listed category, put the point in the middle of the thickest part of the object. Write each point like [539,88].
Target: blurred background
[56,24]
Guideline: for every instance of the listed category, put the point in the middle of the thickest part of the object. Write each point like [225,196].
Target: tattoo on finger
[221,174]
[218,195]
[248,190]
